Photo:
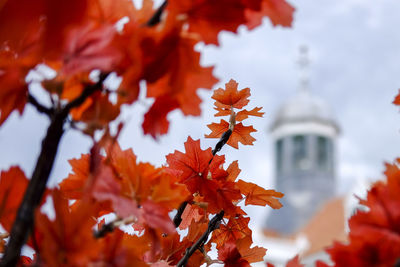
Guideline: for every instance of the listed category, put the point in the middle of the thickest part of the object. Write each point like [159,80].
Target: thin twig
[222,141]
[109,227]
[156,18]
[212,225]
[42,109]
[37,185]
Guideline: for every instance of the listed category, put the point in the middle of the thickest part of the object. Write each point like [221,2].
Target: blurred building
[304,136]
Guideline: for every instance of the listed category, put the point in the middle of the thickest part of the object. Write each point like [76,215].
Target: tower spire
[303,62]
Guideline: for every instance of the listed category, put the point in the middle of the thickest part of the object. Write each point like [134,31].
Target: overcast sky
[354,48]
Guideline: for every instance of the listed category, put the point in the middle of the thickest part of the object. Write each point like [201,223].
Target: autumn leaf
[230,96]
[167,192]
[236,228]
[13,184]
[207,18]
[90,47]
[231,257]
[155,120]
[157,217]
[97,111]
[122,249]
[244,114]
[68,239]
[396,100]
[374,237]
[191,213]
[240,133]
[254,254]
[13,92]
[108,11]
[279,12]
[256,195]
[172,70]
[73,186]
[233,171]
[239,253]
[294,262]
[193,164]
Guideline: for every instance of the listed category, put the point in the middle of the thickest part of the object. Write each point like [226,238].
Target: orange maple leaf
[396,100]
[191,213]
[13,184]
[240,133]
[230,96]
[244,114]
[256,195]
[254,254]
[236,228]
[67,240]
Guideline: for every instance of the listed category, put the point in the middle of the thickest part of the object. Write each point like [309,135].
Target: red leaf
[155,120]
[396,100]
[193,164]
[237,228]
[90,47]
[207,18]
[68,240]
[278,11]
[13,184]
[191,213]
[13,91]
[157,217]
[294,262]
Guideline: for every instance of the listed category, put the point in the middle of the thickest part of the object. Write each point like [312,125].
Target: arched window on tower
[279,155]
[300,152]
[322,153]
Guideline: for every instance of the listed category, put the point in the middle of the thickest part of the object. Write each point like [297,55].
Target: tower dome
[304,107]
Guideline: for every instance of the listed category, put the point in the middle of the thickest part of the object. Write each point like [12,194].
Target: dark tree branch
[40,107]
[37,185]
[222,141]
[156,18]
[212,225]
[178,216]
[105,229]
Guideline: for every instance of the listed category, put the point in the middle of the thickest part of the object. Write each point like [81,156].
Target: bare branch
[222,141]
[42,109]
[37,185]
[212,225]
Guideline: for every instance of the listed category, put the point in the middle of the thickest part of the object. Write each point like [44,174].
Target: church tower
[304,139]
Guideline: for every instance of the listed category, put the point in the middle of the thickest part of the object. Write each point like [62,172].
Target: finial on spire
[303,62]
